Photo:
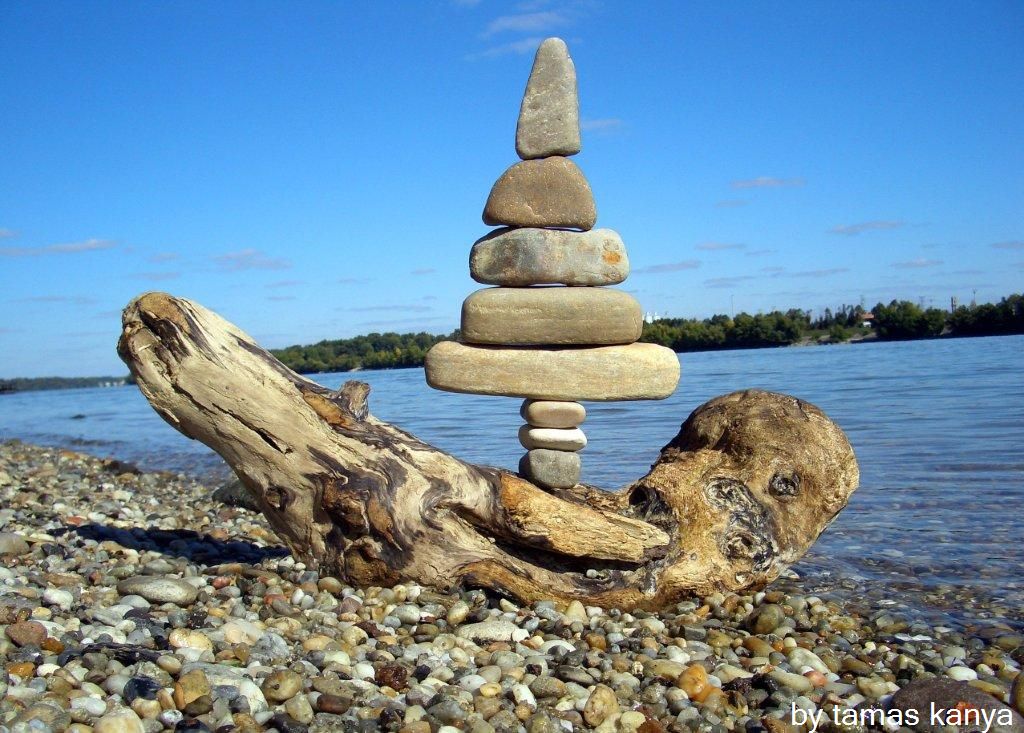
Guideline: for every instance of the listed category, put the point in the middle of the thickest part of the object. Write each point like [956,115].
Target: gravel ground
[134,602]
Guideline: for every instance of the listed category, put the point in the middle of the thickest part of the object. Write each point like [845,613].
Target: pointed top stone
[549,118]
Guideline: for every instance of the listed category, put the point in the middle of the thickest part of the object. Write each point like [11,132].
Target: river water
[936,528]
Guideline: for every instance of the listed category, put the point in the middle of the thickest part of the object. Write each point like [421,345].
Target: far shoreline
[115,382]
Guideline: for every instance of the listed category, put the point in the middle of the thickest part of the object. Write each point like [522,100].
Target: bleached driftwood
[741,492]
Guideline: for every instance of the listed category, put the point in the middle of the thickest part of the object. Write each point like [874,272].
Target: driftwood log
[740,493]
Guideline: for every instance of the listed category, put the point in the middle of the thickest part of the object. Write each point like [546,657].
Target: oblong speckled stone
[597,373]
[551,316]
[553,414]
[532,256]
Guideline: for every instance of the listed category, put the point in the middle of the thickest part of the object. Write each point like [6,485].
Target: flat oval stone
[159,590]
[531,256]
[550,192]
[554,469]
[563,439]
[549,118]
[555,315]
[551,414]
[599,373]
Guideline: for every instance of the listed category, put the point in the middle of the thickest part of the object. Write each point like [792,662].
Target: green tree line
[373,351]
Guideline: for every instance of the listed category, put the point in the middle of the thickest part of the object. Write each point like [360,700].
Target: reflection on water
[937,427]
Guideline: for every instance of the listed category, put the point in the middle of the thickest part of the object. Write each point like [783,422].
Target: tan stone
[563,439]
[552,414]
[600,373]
[550,192]
[549,118]
[530,256]
[190,687]
[555,316]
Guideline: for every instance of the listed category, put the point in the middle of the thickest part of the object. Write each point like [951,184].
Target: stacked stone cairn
[554,345]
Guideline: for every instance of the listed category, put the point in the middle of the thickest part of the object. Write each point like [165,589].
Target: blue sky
[318,170]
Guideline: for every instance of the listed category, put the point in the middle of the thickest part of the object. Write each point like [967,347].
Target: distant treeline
[900,319]
[374,351]
[26,384]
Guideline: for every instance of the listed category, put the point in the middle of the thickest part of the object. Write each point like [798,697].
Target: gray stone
[159,590]
[13,545]
[494,629]
[571,439]
[531,256]
[556,316]
[555,469]
[550,192]
[549,118]
[600,373]
[553,414]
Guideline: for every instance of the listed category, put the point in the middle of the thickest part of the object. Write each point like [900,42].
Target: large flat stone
[551,414]
[599,373]
[567,439]
[530,256]
[550,192]
[549,118]
[551,316]
[554,469]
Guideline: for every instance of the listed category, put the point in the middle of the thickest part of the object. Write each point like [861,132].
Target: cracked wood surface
[739,494]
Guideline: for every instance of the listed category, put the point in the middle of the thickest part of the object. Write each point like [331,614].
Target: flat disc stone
[529,256]
[567,439]
[549,414]
[551,192]
[555,315]
[549,118]
[598,373]
[554,469]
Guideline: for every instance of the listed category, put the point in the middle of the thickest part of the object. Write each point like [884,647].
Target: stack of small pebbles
[552,345]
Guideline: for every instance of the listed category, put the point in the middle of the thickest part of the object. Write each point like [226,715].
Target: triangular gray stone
[549,118]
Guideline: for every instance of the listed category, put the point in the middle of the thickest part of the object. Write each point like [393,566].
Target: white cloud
[820,273]
[541,22]
[720,246]
[917,264]
[391,308]
[71,299]
[249,259]
[1015,244]
[601,124]
[667,267]
[284,284]
[520,47]
[164,257]
[768,182]
[727,282]
[852,230]
[157,276]
[87,245]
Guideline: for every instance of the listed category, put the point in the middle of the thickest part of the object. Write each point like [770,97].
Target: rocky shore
[134,602]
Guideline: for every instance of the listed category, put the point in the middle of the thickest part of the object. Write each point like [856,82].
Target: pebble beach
[137,602]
